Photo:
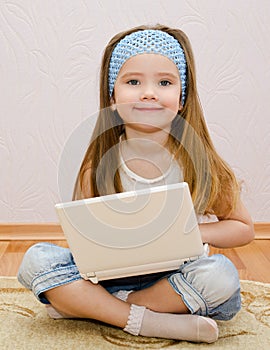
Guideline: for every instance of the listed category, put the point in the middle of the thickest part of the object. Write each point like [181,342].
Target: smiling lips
[149,108]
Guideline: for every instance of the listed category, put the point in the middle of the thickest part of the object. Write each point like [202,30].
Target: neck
[138,140]
[142,152]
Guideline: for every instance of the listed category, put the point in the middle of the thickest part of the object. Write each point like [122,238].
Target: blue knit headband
[148,41]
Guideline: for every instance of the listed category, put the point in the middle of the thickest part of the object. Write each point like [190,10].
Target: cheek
[124,110]
[123,95]
[172,104]
[171,99]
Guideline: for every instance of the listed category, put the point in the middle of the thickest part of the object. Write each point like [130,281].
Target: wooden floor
[252,261]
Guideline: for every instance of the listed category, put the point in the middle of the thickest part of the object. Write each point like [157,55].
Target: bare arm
[234,231]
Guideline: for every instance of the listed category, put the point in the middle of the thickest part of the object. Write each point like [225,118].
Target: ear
[112,104]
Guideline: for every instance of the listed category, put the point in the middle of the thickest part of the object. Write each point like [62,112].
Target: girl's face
[147,93]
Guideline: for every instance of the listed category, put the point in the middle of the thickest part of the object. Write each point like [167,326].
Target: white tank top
[131,181]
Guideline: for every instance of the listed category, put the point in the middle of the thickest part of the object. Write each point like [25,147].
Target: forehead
[149,62]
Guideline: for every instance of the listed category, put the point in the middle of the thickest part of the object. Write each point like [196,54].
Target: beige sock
[192,328]
[122,294]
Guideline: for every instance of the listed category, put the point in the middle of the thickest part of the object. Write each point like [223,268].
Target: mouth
[149,108]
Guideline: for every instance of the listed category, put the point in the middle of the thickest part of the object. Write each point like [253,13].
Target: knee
[225,302]
[222,279]
[35,261]
[30,265]
[216,279]
[211,285]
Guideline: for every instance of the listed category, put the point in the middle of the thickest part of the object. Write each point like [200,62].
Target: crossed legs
[157,311]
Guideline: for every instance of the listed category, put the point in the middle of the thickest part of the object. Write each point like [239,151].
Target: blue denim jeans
[208,286]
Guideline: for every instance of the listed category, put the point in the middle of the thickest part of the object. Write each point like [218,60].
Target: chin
[148,129]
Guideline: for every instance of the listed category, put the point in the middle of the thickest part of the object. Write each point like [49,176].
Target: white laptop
[132,233]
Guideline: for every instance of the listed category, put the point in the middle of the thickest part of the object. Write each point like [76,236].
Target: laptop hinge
[91,276]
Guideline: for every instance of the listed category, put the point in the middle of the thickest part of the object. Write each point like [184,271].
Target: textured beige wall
[50,53]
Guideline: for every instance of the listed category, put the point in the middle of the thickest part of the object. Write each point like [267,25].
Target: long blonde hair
[212,183]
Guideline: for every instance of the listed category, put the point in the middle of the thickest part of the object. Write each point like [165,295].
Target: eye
[164,83]
[133,82]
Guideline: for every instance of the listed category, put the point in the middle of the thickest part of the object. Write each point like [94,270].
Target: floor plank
[252,261]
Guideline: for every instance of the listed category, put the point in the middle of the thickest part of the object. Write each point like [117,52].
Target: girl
[151,131]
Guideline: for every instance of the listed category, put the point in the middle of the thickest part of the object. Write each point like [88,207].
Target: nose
[149,93]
